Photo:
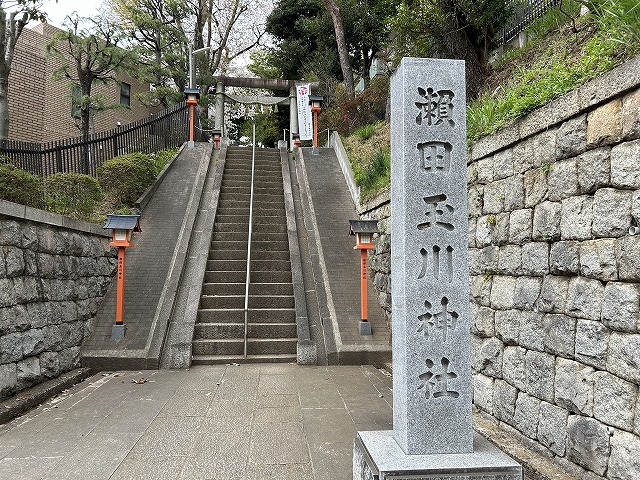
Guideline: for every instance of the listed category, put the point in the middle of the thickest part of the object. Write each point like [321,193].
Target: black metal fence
[524,12]
[166,129]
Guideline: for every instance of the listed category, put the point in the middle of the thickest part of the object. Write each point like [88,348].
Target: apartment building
[41,109]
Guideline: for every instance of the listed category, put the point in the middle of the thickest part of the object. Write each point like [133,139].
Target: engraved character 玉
[437,107]
[438,213]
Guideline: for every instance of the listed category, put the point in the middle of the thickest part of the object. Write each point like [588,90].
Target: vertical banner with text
[304,112]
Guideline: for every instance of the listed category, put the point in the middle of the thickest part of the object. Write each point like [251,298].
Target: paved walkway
[149,262]
[246,422]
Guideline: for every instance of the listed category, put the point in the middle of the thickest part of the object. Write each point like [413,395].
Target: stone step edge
[31,397]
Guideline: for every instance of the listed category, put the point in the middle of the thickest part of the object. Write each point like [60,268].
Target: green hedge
[73,194]
[19,186]
[126,177]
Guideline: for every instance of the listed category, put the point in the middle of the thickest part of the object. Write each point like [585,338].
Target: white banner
[305,126]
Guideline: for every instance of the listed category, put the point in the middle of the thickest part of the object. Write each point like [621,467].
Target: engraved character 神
[443,319]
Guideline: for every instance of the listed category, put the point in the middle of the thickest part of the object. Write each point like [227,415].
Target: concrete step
[240,276]
[254,288]
[274,189]
[242,236]
[258,217]
[244,181]
[255,315]
[245,198]
[255,301]
[236,208]
[228,359]
[235,346]
[236,330]
[258,227]
[256,246]
[228,254]
[256,265]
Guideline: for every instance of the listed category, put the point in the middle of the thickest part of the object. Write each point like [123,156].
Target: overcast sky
[57,11]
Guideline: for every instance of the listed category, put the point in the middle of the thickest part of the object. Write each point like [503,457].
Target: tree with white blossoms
[14,15]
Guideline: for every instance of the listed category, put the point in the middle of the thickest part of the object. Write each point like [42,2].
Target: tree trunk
[343,52]
[10,30]
[4,108]
[460,48]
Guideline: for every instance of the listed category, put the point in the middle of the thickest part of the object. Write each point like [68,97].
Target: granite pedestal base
[365,328]
[377,456]
[118,331]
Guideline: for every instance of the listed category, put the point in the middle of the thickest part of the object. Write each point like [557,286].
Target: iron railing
[163,130]
[248,278]
[524,13]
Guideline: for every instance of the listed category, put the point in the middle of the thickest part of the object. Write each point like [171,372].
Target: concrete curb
[343,159]
[307,351]
[333,341]
[535,465]
[32,397]
[160,323]
[177,349]
[16,210]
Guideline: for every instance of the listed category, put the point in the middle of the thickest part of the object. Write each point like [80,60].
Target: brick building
[40,108]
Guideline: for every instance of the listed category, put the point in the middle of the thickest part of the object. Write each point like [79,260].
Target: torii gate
[260,83]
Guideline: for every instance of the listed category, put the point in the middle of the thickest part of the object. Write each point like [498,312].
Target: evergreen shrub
[73,194]
[19,186]
[126,177]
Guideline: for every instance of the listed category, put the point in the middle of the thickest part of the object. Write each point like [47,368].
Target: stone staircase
[219,329]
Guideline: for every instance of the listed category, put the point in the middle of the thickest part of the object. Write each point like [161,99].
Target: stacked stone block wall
[555,276]
[555,280]
[52,279]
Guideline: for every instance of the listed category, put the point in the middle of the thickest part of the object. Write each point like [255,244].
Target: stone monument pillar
[432,386]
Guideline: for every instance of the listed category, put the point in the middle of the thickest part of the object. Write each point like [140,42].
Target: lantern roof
[363,226]
[123,222]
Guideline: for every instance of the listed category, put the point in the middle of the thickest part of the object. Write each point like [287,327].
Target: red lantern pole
[120,288]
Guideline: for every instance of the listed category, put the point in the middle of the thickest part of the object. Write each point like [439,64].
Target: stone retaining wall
[54,272]
[555,277]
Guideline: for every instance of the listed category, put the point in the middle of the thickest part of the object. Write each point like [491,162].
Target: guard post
[216,134]
[296,139]
[316,105]
[363,230]
[193,94]
[122,228]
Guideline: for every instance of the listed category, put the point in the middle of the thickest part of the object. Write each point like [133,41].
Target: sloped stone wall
[54,272]
[555,276]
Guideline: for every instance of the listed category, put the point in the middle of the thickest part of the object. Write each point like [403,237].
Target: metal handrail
[328,134]
[246,291]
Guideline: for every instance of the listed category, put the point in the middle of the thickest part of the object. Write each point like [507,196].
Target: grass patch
[369,152]
[560,57]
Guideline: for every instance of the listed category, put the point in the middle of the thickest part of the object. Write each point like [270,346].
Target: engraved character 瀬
[437,107]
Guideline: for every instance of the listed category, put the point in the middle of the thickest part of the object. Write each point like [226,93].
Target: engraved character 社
[435,381]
